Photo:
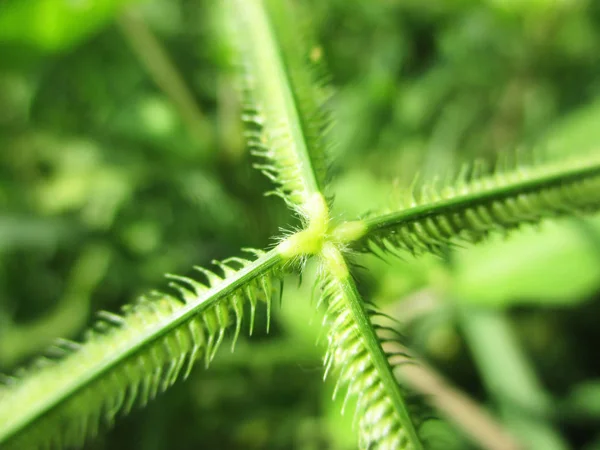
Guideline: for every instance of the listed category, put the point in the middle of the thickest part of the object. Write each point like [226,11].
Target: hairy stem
[469,210]
[129,358]
[280,97]
[355,349]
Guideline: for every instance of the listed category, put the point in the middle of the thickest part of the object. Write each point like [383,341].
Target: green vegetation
[438,236]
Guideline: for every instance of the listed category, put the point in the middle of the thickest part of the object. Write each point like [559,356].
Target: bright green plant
[126,359]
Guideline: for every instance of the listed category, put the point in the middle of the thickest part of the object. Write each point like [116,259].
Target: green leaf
[552,265]
[577,133]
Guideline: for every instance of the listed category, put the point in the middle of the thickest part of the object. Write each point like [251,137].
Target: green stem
[276,89]
[343,297]
[100,364]
[164,73]
[510,379]
[498,201]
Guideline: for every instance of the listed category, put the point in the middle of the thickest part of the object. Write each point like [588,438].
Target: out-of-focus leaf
[531,7]
[556,265]
[32,232]
[68,316]
[585,398]
[578,133]
[54,25]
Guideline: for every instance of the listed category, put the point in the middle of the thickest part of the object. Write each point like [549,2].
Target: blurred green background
[122,159]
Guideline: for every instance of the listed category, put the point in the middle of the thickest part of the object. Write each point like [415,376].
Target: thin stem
[156,61]
[457,407]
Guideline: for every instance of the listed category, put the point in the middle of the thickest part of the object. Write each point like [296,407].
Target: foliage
[118,168]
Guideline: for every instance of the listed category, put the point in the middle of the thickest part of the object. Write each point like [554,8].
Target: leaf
[577,133]
[552,265]
[584,399]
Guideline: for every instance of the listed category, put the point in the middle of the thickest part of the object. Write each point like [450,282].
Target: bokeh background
[121,159]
